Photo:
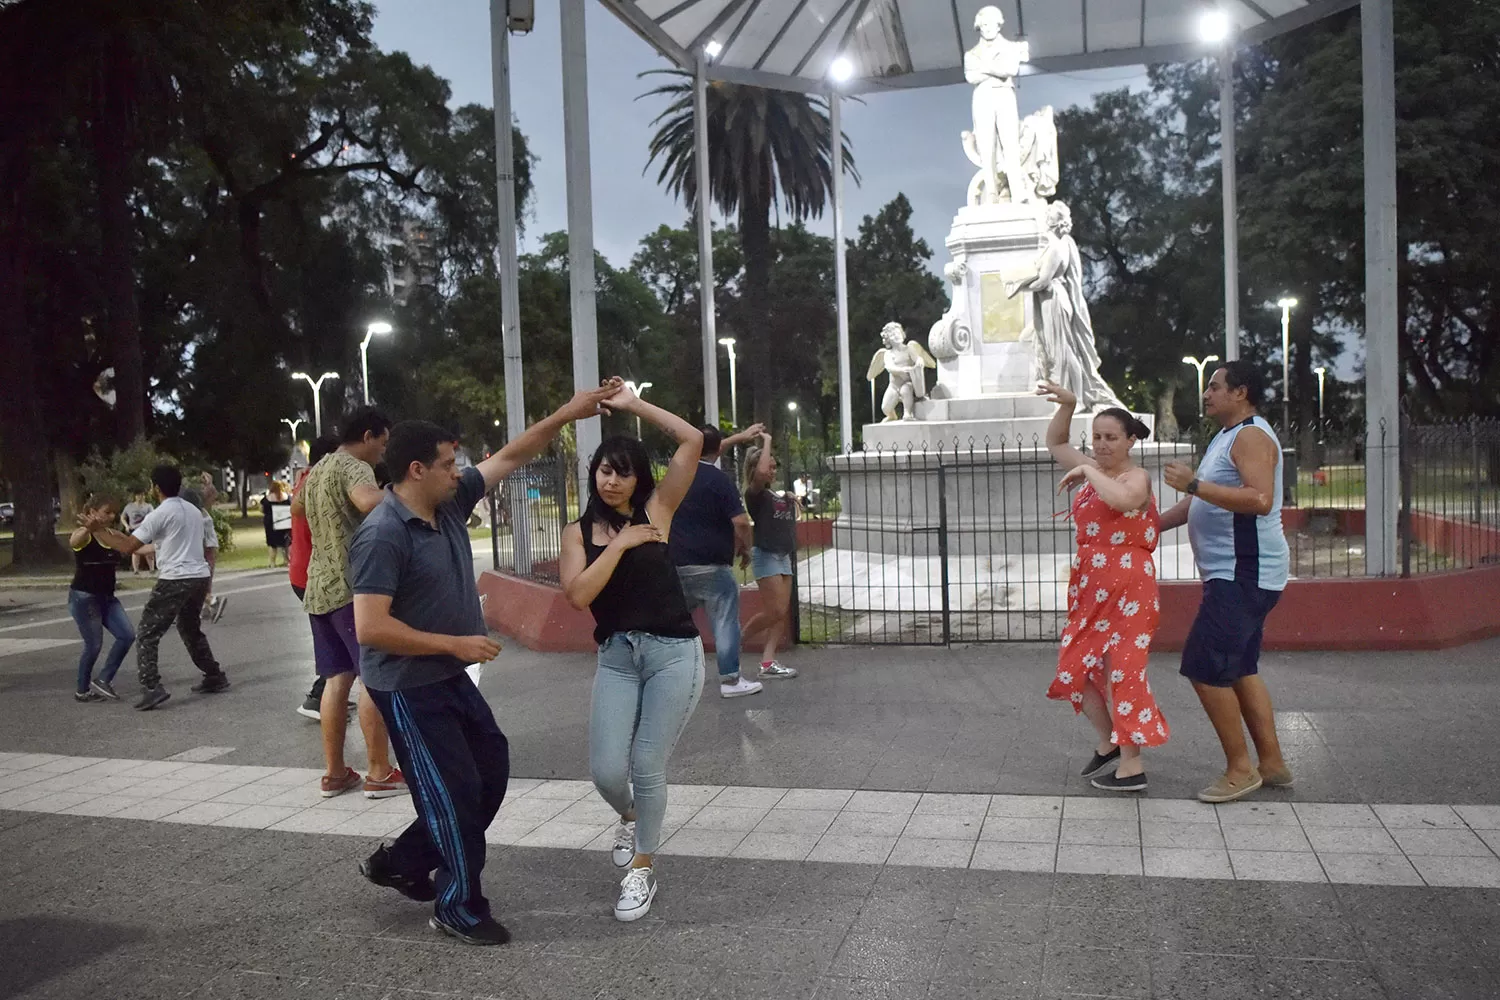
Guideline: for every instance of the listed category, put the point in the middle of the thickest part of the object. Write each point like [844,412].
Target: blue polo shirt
[428,573]
[703,527]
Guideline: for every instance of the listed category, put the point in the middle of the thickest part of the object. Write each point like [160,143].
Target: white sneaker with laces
[777,669]
[636,893]
[624,850]
[739,688]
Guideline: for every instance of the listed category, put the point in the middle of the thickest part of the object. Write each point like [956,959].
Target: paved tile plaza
[894,823]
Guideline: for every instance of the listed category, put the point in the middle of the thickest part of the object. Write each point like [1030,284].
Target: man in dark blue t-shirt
[708,531]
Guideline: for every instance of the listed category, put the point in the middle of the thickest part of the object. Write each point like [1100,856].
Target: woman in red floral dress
[1112,597]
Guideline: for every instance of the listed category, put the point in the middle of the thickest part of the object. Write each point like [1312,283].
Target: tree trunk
[1166,415]
[23,431]
[69,502]
[755,240]
[112,159]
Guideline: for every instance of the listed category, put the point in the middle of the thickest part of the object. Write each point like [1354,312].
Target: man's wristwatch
[1192,487]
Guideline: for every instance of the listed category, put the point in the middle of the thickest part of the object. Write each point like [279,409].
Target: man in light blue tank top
[1233,516]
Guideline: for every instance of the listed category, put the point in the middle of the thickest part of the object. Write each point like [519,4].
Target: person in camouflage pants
[179,601]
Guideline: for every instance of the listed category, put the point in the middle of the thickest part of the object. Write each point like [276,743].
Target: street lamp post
[1321,372]
[364,350]
[317,399]
[1200,365]
[293,424]
[798,414]
[639,389]
[734,388]
[1287,305]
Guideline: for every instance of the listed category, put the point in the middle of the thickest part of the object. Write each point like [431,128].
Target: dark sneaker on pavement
[388,787]
[377,869]
[1099,763]
[311,708]
[486,932]
[332,786]
[104,689]
[152,698]
[1115,783]
[212,684]
[87,696]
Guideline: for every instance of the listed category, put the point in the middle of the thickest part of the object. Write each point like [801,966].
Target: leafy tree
[762,144]
[890,277]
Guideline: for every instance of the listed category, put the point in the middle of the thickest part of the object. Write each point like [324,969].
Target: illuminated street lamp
[639,390]
[798,414]
[1287,305]
[734,389]
[1321,372]
[317,399]
[1200,365]
[364,348]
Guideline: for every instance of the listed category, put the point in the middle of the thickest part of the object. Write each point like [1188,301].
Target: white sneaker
[624,850]
[777,669]
[636,893]
[739,688]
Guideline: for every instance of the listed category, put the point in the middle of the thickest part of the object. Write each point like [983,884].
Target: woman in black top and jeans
[615,563]
[92,602]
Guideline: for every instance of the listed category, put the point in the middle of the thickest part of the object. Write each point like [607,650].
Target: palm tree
[761,143]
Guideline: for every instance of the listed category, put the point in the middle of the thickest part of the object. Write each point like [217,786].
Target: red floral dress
[1112,616]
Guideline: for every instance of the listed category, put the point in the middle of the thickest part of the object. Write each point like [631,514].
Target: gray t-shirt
[428,573]
[177,530]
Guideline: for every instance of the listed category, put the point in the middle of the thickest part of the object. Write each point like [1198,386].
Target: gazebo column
[841,273]
[575,78]
[705,247]
[1382,304]
[1230,183]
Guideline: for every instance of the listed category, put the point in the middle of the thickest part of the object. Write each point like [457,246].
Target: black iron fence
[971,543]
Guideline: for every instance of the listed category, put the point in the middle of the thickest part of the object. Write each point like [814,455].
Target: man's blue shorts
[1224,643]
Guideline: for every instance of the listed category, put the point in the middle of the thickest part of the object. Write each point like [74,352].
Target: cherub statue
[906,362]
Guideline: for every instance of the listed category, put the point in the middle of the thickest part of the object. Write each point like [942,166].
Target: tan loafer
[1225,790]
[1280,777]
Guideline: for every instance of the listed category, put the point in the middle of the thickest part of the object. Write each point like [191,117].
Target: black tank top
[643,594]
[94,569]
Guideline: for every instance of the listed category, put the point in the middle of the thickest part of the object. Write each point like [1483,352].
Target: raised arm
[1060,430]
[1129,492]
[584,404]
[684,463]
[744,437]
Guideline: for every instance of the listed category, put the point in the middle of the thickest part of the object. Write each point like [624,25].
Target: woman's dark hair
[627,456]
[1241,374]
[321,448]
[1134,426]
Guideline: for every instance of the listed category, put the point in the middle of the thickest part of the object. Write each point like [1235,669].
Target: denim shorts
[770,563]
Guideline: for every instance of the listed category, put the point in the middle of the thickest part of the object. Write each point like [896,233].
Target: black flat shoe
[1099,763]
[1115,783]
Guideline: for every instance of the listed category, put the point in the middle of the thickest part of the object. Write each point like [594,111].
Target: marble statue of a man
[906,362]
[1065,349]
[992,67]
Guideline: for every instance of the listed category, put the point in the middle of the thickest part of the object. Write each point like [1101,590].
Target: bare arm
[584,404]
[119,541]
[1061,428]
[581,581]
[1177,515]
[79,538]
[375,627]
[748,434]
[363,496]
[744,534]
[1254,455]
[683,466]
[763,466]
[1128,492]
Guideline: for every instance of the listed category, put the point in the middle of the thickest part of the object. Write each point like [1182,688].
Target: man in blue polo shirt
[709,529]
[419,624]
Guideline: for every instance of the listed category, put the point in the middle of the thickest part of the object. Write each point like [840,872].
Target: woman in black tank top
[615,563]
[92,602]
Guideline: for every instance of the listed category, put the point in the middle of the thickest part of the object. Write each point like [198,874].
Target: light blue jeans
[716,589]
[644,693]
[93,615]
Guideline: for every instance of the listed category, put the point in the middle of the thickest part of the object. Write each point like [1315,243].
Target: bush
[224,528]
[123,474]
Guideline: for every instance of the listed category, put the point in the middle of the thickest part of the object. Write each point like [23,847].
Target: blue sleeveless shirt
[1244,547]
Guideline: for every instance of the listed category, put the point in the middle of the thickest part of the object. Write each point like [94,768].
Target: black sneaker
[103,689]
[1115,783]
[486,932]
[86,696]
[377,869]
[212,684]
[311,708]
[1099,763]
[150,699]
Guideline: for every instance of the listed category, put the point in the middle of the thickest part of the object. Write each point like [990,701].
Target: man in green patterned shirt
[338,493]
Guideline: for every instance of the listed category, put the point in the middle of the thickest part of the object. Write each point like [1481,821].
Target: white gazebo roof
[791,44]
